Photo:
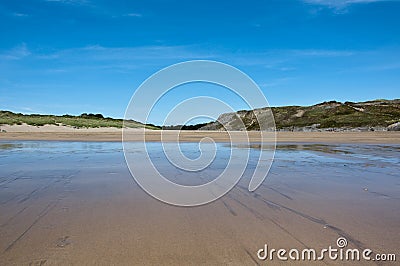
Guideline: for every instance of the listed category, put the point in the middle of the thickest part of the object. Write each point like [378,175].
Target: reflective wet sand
[76,203]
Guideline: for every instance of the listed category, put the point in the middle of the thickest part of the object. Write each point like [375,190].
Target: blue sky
[75,56]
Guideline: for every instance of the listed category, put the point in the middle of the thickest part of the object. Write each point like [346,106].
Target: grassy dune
[82,121]
[377,113]
[335,114]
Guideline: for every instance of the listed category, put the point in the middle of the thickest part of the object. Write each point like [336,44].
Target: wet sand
[114,134]
[75,203]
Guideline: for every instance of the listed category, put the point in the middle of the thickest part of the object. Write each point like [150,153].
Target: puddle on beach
[61,202]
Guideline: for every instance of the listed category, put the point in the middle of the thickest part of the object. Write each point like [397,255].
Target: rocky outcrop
[394,127]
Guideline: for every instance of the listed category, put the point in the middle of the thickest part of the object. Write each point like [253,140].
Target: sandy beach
[67,197]
[51,132]
[75,203]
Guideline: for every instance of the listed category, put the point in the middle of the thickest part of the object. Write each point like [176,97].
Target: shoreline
[115,135]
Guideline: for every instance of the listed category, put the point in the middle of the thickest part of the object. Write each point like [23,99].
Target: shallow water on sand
[76,203]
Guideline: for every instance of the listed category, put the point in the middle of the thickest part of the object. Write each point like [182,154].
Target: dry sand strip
[61,133]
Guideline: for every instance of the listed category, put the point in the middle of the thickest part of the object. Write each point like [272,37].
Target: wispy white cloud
[18,52]
[70,2]
[136,15]
[282,59]
[277,82]
[129,59]
[380,67]
[131,15]
[20,15]
[341,6]
[110,59]
[341,3]
[98,52]
[321,53]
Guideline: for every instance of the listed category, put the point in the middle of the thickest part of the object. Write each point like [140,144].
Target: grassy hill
[335,114]
[326,115]
[82,121]
[377,113]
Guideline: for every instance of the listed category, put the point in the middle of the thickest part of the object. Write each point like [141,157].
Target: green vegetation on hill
[185,127]
[377,113]
[82,121]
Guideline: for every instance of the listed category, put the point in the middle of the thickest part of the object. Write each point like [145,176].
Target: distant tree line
[184,127]
[85,115]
